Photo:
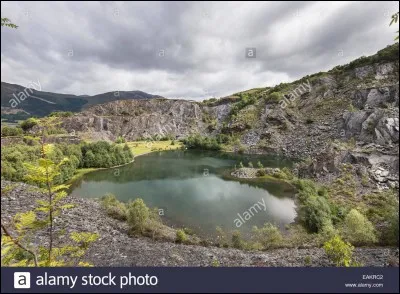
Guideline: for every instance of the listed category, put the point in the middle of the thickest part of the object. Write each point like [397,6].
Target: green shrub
[259,164]
[31,141]
[250,164]
[181,236]
[7,131]
[61,114]
[307,260]
[328,231]
[222,239]
[241,165]
[339,252]
[357,229]
[203,143]
[138,214]
[268,236]
[28,124]
[113,207]
[392,232]
[274,97]
[120,140]
[237,241]
[261,173]
[188,231]
[314,213]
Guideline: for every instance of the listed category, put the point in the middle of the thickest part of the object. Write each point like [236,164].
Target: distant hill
[39,103]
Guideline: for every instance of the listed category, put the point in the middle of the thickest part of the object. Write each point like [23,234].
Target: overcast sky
[191,50]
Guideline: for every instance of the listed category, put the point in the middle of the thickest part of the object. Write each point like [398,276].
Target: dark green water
[195,190]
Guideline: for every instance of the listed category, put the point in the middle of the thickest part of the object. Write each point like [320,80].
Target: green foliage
[390,53]
[259,164]
[138,214]
[44,174]
[199,142]
[261,172]
[5,22]
[181,236]
[314,213]
[274,97]
[245,100]
[61,114]
[250,164]
[104,154]
[268,236]
[222,239]
[315,210]
[7,131]
[237,241]
[339,252]
[114,208]
[215,263]
[120,140]
[28,124]
[395,19]
[357,229]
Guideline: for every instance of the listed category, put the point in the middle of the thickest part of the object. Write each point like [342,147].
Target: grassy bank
[143,147]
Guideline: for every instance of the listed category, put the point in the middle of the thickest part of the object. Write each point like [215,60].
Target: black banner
[192,280]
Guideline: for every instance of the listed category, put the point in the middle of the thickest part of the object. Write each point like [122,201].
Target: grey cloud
[184,49]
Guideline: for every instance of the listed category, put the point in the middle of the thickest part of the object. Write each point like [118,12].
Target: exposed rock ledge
[116,248]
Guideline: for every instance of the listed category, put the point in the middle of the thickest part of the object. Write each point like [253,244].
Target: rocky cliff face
[349,114]
[145,118]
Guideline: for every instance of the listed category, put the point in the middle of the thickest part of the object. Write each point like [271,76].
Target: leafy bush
[274,97]
[357,229]
[268,236]
[237,241]
[199,142]
[104,154]
[339,252]
[222,239]
[31,141]
[113,207]
[7,131]
[392,232]
[138,214]
[120,140]
[28,124]
[314,213]
[261,172]
[181,236]
[259,164]
[61,114]
[244,101]
[250,164]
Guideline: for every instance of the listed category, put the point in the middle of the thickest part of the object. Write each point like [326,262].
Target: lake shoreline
[116,248]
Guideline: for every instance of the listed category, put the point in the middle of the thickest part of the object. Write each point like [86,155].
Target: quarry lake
[194,189]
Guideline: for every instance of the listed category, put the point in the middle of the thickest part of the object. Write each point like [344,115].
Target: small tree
[138,214]
[268,236]
[237,241]
[44,174]
[339,252]
[181,236]
[357,229]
